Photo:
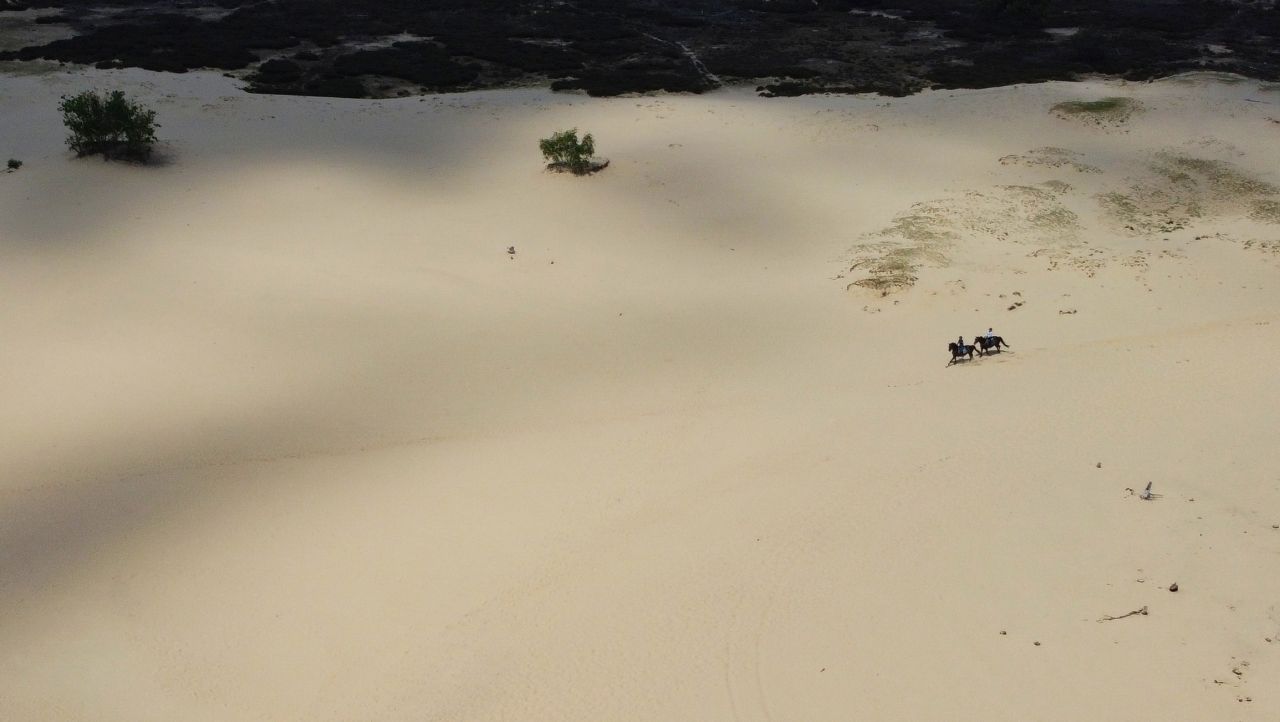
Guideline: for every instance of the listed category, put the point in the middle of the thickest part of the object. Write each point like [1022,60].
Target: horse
[958,352]
[985,345]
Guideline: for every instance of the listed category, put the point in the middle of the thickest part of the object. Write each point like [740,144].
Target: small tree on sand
[564,151]
[110,124]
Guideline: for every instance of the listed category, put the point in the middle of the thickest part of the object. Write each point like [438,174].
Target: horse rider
[991,334]
[960,344]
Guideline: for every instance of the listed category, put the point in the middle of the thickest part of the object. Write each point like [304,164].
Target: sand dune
[290,436]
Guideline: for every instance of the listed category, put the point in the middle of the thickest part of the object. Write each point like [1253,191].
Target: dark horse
[958,352]
[986,346]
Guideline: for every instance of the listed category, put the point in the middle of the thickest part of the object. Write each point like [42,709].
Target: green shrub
[13,164]
[564,151]
[111,124]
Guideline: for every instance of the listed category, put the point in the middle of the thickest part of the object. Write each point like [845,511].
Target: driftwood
[1142,611]
[1146,494]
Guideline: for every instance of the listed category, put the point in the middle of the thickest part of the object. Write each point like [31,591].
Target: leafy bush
[564,151]
[13,164]
[111,124]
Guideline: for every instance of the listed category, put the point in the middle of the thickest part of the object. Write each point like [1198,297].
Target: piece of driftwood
[1145,495]
[1142,611]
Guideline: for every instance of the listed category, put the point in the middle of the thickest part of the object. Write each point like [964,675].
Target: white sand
[288,436]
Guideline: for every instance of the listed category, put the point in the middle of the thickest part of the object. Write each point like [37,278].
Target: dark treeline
[361,48]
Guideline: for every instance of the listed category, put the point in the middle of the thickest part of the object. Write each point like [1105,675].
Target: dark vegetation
[109,125]
[13,164]
[563,150]
[607,47]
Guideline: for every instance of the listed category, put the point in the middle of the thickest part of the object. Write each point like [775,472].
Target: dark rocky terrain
[358,48]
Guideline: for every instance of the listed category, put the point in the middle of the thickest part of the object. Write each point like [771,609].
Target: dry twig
[1142,611]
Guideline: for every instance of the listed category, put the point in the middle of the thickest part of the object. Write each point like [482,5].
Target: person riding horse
[958,350]
[989,341]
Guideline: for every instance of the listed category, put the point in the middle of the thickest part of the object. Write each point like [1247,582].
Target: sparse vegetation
[1106,105]
[890,259]
[1221,178]
[1050,157]
[896,268]
[1105,110]
[13,164]
[1182,190]
[111,125]
[1265,211]
[564,151]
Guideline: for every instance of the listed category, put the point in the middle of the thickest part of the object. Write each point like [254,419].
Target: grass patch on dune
[1057,187]
[1113,110]
[896,267]
[1106,105]
[1145,211]
[924,225]
[1220,178]
[1179,190]
[923,235]
[1035,211]
[1053,218]
[1050,157]
[1266,211]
